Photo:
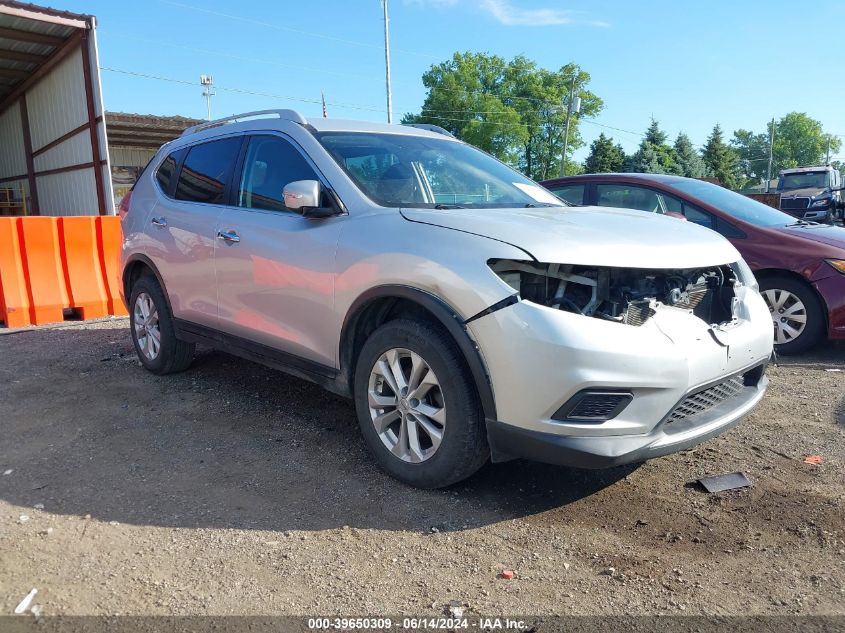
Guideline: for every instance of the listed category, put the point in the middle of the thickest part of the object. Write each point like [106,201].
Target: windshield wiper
[440,207]
[802,223]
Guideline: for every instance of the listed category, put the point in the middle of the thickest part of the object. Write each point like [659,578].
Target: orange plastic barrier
[14,301]
[109,237]
[83,271]
[48,265]
[44,270]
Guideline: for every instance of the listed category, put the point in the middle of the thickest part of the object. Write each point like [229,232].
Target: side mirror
[304,196]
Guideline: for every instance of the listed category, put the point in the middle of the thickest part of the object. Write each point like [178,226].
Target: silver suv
[468,312]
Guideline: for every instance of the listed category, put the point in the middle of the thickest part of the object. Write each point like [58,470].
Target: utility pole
[387,62]
[208,91]
[771,149]
[573,107]
[827,162]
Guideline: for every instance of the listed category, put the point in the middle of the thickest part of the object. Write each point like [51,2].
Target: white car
[468,312]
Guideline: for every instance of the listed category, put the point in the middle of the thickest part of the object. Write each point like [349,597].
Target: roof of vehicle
[268,119]
[664,178]
[799,170]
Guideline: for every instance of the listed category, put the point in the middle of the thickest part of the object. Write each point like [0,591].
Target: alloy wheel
[789,314]
[406,405]
[147,329]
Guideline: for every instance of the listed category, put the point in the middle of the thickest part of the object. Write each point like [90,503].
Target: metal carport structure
[53,148]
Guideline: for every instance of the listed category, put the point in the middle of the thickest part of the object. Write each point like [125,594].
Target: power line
[291,29]
[239,90]
[254,60]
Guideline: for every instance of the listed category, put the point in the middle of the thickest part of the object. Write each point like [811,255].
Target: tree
[720,159]
[687,160]
[654,134]
[799,141]
[605,156]
[514,110]
[653,156]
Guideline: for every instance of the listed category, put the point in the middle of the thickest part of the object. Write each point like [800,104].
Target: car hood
[590,235]
[806,192]
[822,233]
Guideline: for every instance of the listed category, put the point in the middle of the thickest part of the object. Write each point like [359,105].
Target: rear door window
[570,193]
[628,197]
[207,170]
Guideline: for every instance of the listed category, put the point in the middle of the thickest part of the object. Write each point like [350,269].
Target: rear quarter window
[166,172]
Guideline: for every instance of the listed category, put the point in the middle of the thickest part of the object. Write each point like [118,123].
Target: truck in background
[811,193]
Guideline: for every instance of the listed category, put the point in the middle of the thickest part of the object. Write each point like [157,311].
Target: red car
[800,265]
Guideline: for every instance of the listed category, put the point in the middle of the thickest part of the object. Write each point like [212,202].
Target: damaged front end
[628,295]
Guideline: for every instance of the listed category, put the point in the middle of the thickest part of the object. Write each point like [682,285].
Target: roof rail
[430,128]
[288,115]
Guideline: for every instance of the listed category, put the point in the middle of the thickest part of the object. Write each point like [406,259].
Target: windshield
[400,170]
[734,204]
[804,180]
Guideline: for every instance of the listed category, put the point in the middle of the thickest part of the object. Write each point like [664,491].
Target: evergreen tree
[687,160]
[720,159]
[645,160]
[654,134]
[653,156]
[605,156]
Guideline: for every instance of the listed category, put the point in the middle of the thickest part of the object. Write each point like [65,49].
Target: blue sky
[688,64]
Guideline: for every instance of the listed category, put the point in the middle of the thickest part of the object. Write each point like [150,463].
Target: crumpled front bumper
[508,441]
[538,358]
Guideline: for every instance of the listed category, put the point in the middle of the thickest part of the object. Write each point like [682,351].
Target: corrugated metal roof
[144,130]
[49,11]
[29,35]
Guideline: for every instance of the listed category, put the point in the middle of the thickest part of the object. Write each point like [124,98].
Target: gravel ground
[233,489]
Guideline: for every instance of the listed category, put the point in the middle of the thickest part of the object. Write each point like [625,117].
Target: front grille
[792,204]
[706,399]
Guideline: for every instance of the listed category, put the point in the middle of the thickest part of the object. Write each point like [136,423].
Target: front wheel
[797,314]
[417,407]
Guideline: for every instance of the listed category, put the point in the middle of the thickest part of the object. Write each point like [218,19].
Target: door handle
[159,222]
[228,236]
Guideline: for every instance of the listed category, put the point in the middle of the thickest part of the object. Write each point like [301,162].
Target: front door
[275,268]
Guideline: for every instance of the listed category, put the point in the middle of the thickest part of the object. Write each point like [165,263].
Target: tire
[171,355]
[797,291]
[452,403]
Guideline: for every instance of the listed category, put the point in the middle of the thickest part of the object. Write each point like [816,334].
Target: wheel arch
[135,268]
[385,303]
[770,273]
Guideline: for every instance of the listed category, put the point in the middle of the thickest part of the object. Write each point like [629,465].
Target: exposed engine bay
[624,295]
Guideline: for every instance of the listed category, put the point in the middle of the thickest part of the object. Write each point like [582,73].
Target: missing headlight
[624,295]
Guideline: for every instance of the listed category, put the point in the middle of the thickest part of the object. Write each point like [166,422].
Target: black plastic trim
[563,413]
[136,258]
[259,353]
[504,303]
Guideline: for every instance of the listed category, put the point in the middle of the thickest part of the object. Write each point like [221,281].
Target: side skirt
[325,376]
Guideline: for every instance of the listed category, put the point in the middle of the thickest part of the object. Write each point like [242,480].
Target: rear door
[183,226]
[275,268]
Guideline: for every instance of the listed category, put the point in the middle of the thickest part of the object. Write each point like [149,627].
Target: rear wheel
[797,315]
[418,410]
[152,330]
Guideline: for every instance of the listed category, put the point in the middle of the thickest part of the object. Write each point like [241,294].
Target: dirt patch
[232,488]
